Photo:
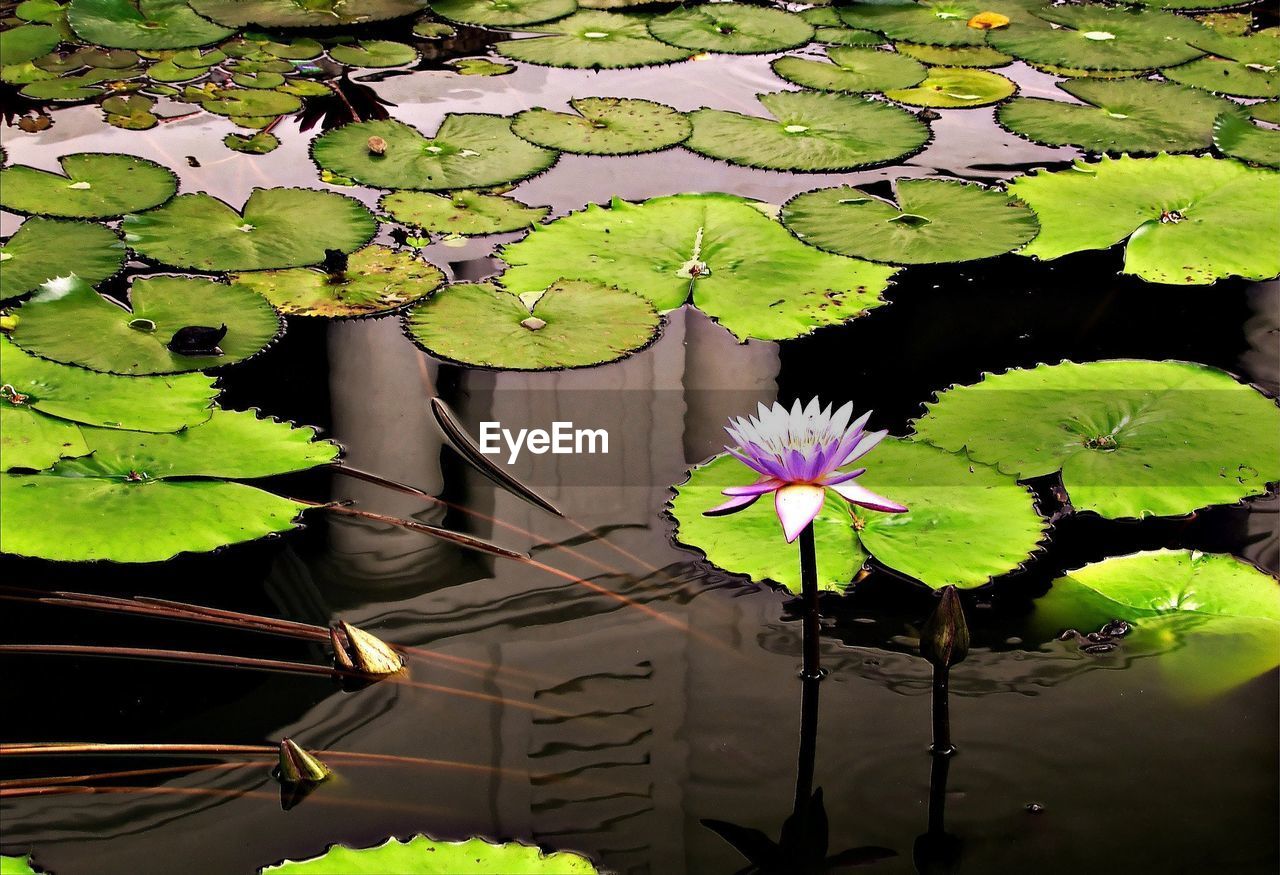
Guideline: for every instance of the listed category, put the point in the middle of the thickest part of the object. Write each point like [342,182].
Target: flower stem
[942,745]
[812,669]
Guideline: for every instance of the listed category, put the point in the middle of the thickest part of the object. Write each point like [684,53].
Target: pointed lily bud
[944,641]
[358,651]
[299,767]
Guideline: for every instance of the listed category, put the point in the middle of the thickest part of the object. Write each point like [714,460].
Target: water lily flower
[798,454]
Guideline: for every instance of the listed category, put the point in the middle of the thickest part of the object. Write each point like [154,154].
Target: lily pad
[147,498]
[468,151]
[376,279]
[1130,438]
[1237,137]
[846,36]
[17,866]
[1120,115]
[956,88]
[1188,220]
[142,24]
[46,248]
[241,102]
[851,69]
[934,221]
[480,67]
[132,112]
[308,13]
[954,56]
[421,855]
[604,126]
[374,53]
[809,132]
[967,523]
[83,86]
[574,323]
[279,227]
[1211,620]
[91,186]
[592,40]
[935,23]
[466,213]
[502,13]
[255,144]
[1242,66]
[737,265]
[26,42]
[1268,111]
[1096,37]
[67,321]
[731,28]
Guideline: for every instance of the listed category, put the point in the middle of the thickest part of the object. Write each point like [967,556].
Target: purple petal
[797,505]
[860,495]
[842,476]
[864,446]
[760,487]
[737,503]
[750,461]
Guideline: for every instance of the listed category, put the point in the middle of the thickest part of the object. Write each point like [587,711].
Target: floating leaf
[26,42]
[131,112]
[421,855]
[846,36]
[956,88]
[308,13]
[851,69]
[1189,220]
[954,56]
[732,28]
[374,53]
[1096,37]
[253,102]
[1268,111]
[142,24]
[428,29]
[147,498]
[502,13]
[809,132]
[604,126]
[279,227]
[1130,438]
[1237,137]
[256,144]
[466,213]
[468,151]
[69,322]
[17,866]
[967,523]
[480,67]
[1125,115]
[1242,66]
[46,248]
[935,221]
[937,22]
[1211,620]
[739,266]
[376,279]
[574,323]
[89,84]
[91,186]
[592,40]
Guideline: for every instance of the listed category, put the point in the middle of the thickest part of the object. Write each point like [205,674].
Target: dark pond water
[584,723]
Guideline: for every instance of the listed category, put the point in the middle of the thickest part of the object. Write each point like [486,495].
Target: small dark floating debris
[196,340]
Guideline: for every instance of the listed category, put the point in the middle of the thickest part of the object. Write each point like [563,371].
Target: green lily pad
[465,213]
[1267,111]
[1121,115]
[304,13]
[1188,220]
[46,248]
[851,69]
[480,67]
[468,151]
[279,227]
[846,36]
[84,86]
[1130,438]
[809,132]
[17,866]
[502,13]
[934,221]
[67,321]
[26,42]
[731,28]
[421,855]
[936,23]
[374,53]
[1237,137]
[592,40]
[966,525]
[377,279]
[255,144]
[250,102]
[956,88]
[132,112]
[428,29]
[572,324]
[1211,620]
[91,186]
[1096,37]
[1242,66]
[737,265]
[142,24]
[147,498]
[604,126]
[954,56]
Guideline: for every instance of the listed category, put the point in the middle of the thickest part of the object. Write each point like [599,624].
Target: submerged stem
[812,669]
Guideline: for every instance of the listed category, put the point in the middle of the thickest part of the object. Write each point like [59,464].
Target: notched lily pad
[573,323]
[936,22]
[592,40]
[465,213]
[731,28]
[853,70]
[142,24]
[1091,36]
[422,855]
[304,13]
[956,88]
[374,53]
[255,144]
[26,42]
[502,13]
[376,279]
[1237,137]
[604,126]
[953,56]
[43,249]
[91,186]
[1242,66]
